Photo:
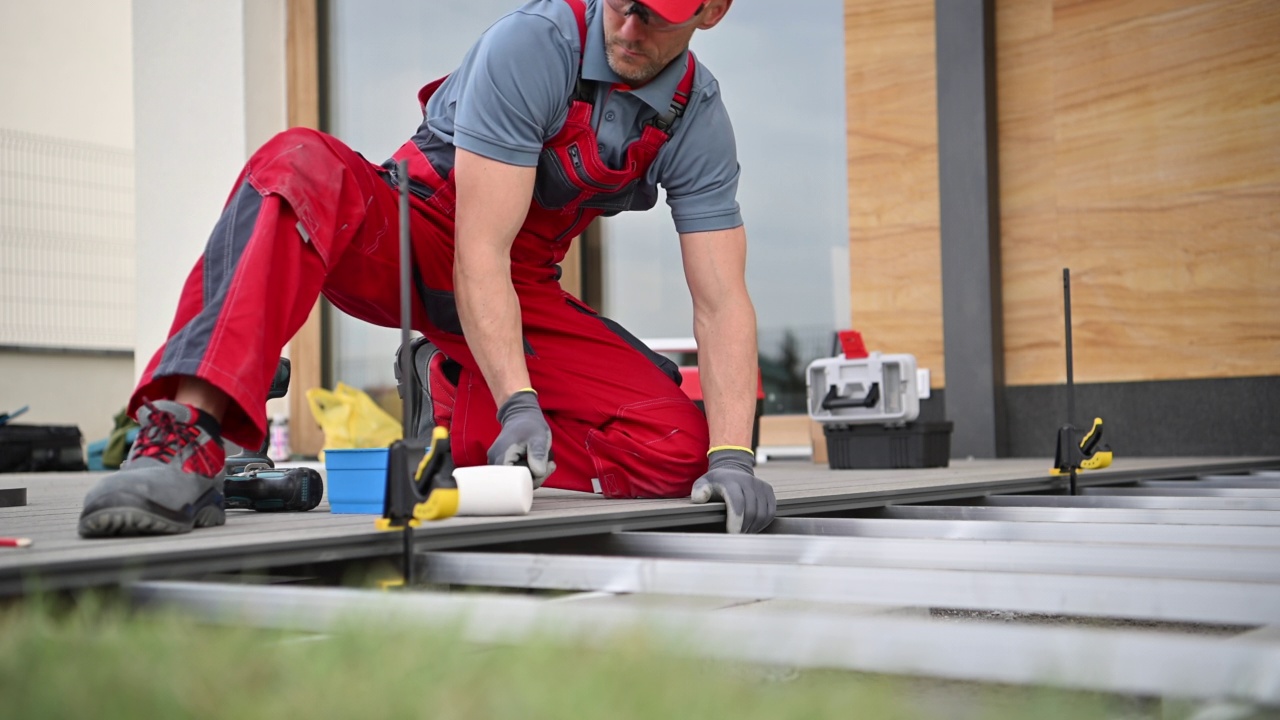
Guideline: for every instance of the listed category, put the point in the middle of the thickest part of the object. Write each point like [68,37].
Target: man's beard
[635,76]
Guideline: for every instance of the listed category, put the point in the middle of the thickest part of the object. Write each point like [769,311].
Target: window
[781,75]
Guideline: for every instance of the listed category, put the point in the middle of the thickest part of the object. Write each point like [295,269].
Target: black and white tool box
[868,408]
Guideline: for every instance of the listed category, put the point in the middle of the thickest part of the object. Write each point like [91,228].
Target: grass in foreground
[98,662]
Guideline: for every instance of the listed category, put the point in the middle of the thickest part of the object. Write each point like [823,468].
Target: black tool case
[866,447]
[41,448]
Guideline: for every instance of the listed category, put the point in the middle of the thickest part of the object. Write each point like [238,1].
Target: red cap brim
[674,11]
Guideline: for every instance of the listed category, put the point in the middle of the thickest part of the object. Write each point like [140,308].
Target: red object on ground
[852,345]
[15,542]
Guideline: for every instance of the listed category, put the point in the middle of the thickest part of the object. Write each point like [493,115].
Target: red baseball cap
[674,11]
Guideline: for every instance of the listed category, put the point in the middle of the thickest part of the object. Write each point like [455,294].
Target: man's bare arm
[724,324]
[493,200]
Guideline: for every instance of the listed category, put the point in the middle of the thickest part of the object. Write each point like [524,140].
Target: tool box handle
[833,401]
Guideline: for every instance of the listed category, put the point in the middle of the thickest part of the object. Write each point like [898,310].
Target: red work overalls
[311,216]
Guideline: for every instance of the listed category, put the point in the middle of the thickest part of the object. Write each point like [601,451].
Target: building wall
[67,71]
[895,270]
[66,389]
[115,109]
[209,79]
[1139,145]
[66,240]
[210,82]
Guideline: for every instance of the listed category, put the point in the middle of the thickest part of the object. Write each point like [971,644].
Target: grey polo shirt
[511,95]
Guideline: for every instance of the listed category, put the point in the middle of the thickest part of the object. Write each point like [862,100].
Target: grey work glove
[525,438]
[730,477]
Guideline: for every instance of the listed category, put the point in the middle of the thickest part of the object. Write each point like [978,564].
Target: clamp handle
[1095,455]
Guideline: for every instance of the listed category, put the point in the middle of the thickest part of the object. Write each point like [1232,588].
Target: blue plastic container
[357,480]
[94,455]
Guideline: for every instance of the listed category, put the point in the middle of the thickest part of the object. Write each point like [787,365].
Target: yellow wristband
[535,392]
[730,447]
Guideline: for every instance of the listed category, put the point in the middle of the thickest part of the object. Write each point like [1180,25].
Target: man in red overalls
[563,111]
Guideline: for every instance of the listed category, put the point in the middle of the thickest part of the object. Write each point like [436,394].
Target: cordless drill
[254,482]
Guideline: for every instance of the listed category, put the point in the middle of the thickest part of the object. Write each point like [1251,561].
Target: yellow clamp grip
[440,504]
[384,524]
[1097,461]
[437,434]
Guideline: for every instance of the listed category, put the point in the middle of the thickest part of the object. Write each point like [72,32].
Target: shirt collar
[657,93]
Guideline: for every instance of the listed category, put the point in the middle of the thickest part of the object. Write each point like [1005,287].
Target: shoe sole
[126,515]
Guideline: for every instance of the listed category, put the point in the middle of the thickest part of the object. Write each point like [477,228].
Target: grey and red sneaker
[171,482]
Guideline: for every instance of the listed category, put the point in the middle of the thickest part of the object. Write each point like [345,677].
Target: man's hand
[749,501]
[525,438]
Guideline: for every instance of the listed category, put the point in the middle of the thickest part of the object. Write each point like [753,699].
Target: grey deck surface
[59,558]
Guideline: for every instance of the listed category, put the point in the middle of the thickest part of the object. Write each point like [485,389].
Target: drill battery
[271,489]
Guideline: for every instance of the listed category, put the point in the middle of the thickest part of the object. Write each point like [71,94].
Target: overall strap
[580,14]
[680,100]
[581,92]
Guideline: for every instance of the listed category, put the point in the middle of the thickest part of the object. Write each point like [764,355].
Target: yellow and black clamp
[1089,454]
[420,488]
[420,484]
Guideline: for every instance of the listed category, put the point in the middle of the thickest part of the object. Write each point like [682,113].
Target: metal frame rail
[105,565]
[813,586]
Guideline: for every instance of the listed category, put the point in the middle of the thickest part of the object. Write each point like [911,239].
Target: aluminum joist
[1138,663]
[1241,603]
[1255,475]
[1197,492]
[1094,532]
[1057,558]
[1083,514]
[1143,503]
[1213,483]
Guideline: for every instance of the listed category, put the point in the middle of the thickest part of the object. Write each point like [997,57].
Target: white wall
[66,389]
[65,76]
[190,88]
[208,86]
[66,69]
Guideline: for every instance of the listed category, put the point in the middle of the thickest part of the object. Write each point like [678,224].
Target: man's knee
[299,151]
[299,137]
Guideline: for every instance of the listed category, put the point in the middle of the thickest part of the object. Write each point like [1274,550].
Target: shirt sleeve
[701,170]
[510,90]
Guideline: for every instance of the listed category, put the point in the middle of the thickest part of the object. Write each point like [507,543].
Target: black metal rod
[406,260]
[1071,383]
[407,534]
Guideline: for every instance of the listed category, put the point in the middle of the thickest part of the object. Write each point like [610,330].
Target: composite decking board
[258,540]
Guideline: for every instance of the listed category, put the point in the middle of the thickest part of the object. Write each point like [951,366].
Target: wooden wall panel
[303,88]
[1028,201]
[895,267]
[1140,145]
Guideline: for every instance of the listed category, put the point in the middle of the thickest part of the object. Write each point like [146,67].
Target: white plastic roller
[487,490]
